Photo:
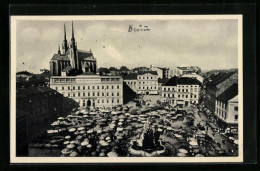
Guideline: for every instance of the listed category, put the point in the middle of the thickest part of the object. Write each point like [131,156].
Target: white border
[14,159]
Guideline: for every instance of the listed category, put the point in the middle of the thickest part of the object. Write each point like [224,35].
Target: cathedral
[71,61]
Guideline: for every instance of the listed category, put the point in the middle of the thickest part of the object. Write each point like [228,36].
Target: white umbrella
[112,154]
[183,151]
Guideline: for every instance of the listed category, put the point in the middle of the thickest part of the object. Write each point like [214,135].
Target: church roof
[60,57]
[83,55]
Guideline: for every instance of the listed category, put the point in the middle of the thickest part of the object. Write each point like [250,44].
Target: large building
[145,82]
[72,59]
[90,90]
[226,109]
[181,91]
[217,84]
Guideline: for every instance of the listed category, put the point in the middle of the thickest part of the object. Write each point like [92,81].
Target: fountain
[148,144]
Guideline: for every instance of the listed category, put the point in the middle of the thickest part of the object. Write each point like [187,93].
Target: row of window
[180,90]
[180,96]
[110,79]
[147,77]
[92,94]
[223,114]
[147,88]
[87,87]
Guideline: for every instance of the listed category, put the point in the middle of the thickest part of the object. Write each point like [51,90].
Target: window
[102,94]
[73,87]
[107,94]
[164,95]
[62,88]
[56,88]
[83,94]
[88,93]
[112,87]
[118,87]
[112,101]
[107,87]
[102,101]
[93,93]
[73,94]
[68,94]
[179,96]
[97,87]
[236,108]
[102,87]
[195,96]
[151,77]
[97,93]
[83,87]
[68,87]
[79,87]
[79,94]
[168,95]
[88,87]
[117,100]
[236,117]
[93,87]
[112,94]
[97,101]
[186,96]
[151,87]
[117,94]
[107,101]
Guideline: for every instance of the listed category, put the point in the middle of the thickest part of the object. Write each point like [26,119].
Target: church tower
[73,55]
[65,43]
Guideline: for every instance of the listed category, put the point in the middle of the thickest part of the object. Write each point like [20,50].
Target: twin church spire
[65,45]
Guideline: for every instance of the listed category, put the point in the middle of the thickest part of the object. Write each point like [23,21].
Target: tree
[123,69]
[103,71]
[113,69]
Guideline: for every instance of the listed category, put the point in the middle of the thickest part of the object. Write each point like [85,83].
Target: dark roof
[33,90]
[24,72]
[219,78]
[131,76]
[181,80]
[60,57]
[183,68]
[162,80]
[229,93]
[145,72]
[83,55]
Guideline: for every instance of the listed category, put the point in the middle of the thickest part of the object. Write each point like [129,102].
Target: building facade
[71,58]
[181,91]
[216,85]
[147,83]
[90,90]
[226,110]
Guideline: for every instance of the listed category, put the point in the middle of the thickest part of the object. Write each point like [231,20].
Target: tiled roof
[132,76]
[83,55]
[219,78]
[181,80]
[229,93]
[60,57]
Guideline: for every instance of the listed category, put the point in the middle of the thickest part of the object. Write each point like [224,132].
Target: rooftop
[33,90]
[131,76]
[218,78]
[181,80]
[229,93]
[145,72]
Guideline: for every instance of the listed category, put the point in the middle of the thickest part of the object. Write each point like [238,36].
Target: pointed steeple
[65,43]
[59,50]
[72,38]
[65,33]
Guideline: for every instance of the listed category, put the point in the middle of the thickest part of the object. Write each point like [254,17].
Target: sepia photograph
[126,88]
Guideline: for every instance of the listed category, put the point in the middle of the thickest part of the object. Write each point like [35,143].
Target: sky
[209,44]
